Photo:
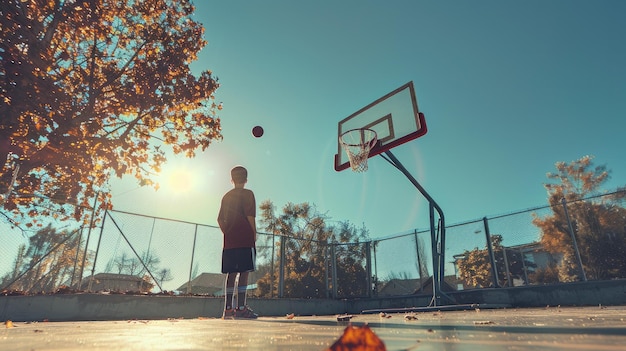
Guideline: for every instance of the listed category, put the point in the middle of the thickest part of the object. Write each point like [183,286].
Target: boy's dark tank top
[237,205]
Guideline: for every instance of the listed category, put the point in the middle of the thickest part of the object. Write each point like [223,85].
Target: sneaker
[245,313]
[228,314]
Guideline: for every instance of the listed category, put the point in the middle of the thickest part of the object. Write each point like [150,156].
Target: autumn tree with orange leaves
[598,221]
[95,89]
[308,241]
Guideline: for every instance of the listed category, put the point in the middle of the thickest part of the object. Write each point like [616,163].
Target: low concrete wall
[605,293]
[78,307]
[89,307]
[83,307]
[612,292]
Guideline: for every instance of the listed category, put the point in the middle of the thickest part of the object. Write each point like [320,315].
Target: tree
[307,240]
[132,265]
[350,254]
[95,89]
[475,270]
[545,275]
[147,268]
[120,263]
[9,278]
[48,262]
[597,218]
[164,275]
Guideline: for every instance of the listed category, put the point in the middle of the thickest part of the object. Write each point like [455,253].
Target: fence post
[375,282]
[419,261]
[91,224]
[272,265]
[523,258]
[193,253]
[506,267]
[281,268]
[95,259]
[333,262]
[573,235]
[326,273]
[492,257]
[78,246]
[368,267]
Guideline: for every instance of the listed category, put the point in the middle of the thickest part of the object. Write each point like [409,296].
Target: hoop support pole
[438,245]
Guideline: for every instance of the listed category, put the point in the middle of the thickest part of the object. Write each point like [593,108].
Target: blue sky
[508,88]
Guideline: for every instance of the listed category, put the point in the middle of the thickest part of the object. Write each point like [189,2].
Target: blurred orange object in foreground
[358,339]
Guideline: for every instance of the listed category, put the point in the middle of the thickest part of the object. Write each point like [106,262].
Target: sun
[180,181]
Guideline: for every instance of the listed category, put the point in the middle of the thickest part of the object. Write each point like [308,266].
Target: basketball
[257,131]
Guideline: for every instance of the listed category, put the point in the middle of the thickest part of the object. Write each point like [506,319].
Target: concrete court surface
[550,328]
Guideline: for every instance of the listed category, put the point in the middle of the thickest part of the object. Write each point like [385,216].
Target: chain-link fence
[568,241]
[576,240]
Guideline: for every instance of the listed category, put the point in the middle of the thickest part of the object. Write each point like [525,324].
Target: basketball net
[358,143]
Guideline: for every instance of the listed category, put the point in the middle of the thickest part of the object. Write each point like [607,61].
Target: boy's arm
[220,218]
[253,225]
[220,222]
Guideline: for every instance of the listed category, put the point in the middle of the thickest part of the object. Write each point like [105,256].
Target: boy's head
[239,175]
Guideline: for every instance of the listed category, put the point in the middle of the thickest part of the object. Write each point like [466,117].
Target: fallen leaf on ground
[9,324]
[290,316]
[358,339]
[483,322]
[410,317]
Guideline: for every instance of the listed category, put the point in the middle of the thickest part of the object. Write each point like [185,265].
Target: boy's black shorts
[238,260]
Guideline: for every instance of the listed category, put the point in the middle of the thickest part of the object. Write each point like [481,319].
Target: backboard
[394,117]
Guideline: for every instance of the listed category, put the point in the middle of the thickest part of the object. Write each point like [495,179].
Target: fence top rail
[543,207]
[404,234]
[164,219]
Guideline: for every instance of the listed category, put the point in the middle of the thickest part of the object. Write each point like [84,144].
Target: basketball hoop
[358,143]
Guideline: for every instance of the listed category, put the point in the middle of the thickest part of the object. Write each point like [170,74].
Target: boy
[237,222]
